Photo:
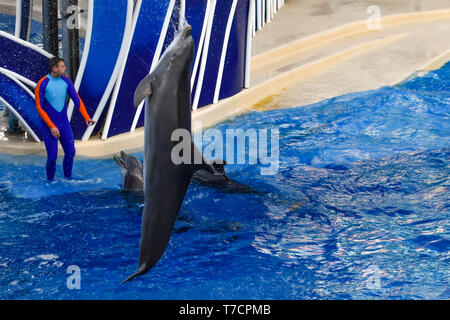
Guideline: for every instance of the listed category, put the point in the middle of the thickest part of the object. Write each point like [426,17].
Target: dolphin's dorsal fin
[143,90]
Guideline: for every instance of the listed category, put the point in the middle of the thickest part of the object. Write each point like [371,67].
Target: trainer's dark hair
[54,62]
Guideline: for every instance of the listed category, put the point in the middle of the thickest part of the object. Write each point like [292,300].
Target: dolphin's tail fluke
[140,272]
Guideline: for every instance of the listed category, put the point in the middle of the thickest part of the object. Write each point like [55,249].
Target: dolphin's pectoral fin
[143,90]
[219,161]
[214,167]
[205,165]
[220,167]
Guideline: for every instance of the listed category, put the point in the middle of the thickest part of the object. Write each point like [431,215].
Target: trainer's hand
[91,122]
[55,132]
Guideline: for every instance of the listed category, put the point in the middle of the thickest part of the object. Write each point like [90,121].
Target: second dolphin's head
[132,171]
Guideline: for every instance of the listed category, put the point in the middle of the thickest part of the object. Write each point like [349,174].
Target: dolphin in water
[132,172]
[219,180]
[168,108]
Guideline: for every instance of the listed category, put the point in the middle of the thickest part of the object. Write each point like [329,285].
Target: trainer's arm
[77,100]
[39,93]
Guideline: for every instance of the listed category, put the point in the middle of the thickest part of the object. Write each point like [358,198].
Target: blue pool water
[359,209]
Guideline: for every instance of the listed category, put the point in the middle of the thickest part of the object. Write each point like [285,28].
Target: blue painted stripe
[22,102]
[221,15]
[21,59]
[195,15]
[106,40]
[140,56]
[233,79]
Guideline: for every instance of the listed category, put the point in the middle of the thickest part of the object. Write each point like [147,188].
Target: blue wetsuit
[51,105]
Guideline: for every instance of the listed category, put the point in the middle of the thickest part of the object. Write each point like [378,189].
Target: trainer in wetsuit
[51,92]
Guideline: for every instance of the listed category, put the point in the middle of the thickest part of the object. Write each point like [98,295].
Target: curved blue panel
[141,54]
[214,52]
[233,77]
[108,28]
[21,59]
[143,47]
[195,15]
[22,102]
[172,27]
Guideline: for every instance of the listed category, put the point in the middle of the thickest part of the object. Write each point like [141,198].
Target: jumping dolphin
[168,107]
[132,171]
